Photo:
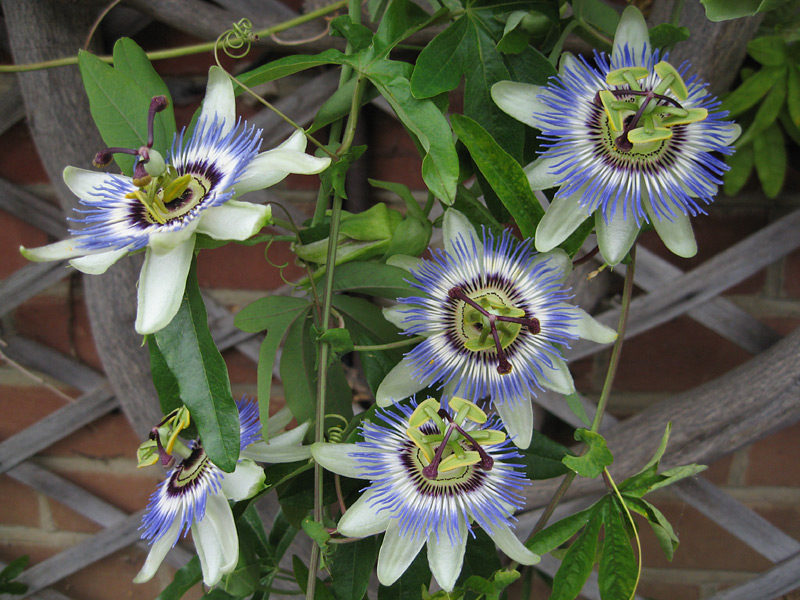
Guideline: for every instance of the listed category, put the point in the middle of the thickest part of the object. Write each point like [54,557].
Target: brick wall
[671,358]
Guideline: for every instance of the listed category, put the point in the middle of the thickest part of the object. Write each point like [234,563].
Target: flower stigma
[444,446]
[491,314]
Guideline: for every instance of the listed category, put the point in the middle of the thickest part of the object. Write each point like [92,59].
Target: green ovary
[476,329]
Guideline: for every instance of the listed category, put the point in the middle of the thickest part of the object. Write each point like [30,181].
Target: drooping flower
[629,141]
[432,474]
[194,496]
[192,193]
[495,318]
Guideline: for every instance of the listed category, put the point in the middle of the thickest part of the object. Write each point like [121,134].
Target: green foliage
[372,279]
[202,377]
[543,458]
[724,10]
[596,458]
[11,571]
[185,579]
[351,567]
[411,583]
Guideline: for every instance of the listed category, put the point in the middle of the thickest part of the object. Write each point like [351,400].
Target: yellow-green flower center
[171,195]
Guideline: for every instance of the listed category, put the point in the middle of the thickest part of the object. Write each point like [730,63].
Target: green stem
[675,15]
[604,394]
[352,120]
[183,50]
[389,346]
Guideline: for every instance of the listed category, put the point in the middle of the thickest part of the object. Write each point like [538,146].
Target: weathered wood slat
[11,107]
[32,209]
[83,502]
[779,580]
[43,594]
[704,282]
[719,315]
[747,525]
[51,362]
[55,426]
[29,281]
[81,555]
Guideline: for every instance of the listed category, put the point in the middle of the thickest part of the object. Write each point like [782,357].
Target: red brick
[251,272]
[16,233]
[653,589]
[110,436]
[23,406]
[719,471]
[66,519]
[791,274]
[240,368]
[703,544]
[127,492]
[19,161]
[773,460]
[674,357]
[20,505]
[44,319]
[10,550]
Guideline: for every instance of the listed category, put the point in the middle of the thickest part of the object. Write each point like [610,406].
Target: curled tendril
[236,42]
[334,432]
[277,266]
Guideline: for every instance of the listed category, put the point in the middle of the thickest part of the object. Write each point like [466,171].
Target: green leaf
[289,65]
[658,522]
[793,94]
[752,90]
[542,459]
[409,586]
[439,65]
[118,106]
[596,458]
[166,384]
[402,18]
[131,60]
[480,557]
[723,10]
[338,339]
[469,205]
[579,559]
[597,14]
[770,160]
[351,568]
[373,279]
[321,592]
[425,121]
[357,34]
[15,568]
[662,447]
[574,401]
[503,173]
[281,535]
[767,113]
[185,579]
[667,35]
[550,538]
[617,573]
[769,50]
[339,104]
[202,376]
[741,165]
[401,190]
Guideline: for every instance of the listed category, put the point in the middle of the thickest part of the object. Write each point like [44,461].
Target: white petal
[455,225]
[245,481]
[57,251]
[215,540]
[219,101]
[292,437]
[557,259]
[266,453]
[272,166]
[234,220]
[520,100]
[297,141]
[567,63]
[362,520]
[82,182]
[676,234]
[158,551]
[279,420]
[541,175]
[409,263]
[558,379]
[590,329]
[632,30]
[730,133]
[445,558]
[517,416]
[161,286]
[397,553]
[560,220]
[396,315]
[508,542]
[615,238]
[398,384]
[95,264]
[336,458]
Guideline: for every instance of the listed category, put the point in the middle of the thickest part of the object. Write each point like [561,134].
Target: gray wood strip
[11,107]
[51,362]
[29,281]
[42,594]
[719,315]
[84,503]
[55,426]
[32,209]
[781,579]
[704,282]
[81,555]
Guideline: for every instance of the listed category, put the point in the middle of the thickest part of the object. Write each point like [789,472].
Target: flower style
[195,493]
[629,141]
[193,193]
[494,317]
[432,473]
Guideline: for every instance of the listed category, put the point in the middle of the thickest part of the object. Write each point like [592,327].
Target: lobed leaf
[617,574]
[596,458]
